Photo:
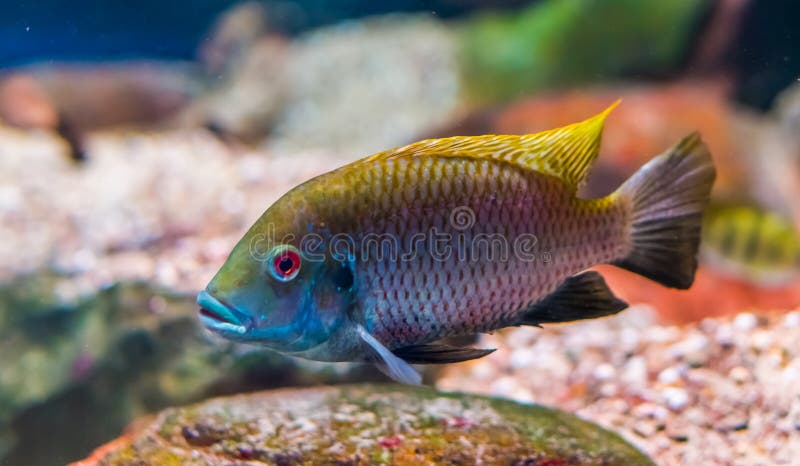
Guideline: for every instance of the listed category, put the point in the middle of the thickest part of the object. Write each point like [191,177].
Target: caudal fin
[667,197]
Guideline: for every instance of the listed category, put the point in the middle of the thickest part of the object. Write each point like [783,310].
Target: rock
[245,104]
[366,424]
[233,33]
[389,78]
[704,299]
[366,86]
[675,398]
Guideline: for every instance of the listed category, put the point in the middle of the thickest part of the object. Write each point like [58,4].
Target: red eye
[285,263]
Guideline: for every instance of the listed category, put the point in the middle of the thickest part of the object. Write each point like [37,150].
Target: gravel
[722,391]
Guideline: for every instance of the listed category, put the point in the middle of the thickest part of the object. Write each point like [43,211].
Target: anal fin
[433,353]
[581,296]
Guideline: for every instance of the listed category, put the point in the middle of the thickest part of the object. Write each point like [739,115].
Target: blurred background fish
[757,245]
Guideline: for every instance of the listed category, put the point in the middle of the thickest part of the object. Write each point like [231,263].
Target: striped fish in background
[751,243]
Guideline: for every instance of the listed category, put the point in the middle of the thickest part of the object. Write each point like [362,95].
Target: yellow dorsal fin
[565,152]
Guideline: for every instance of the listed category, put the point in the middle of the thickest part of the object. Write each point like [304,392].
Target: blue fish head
[281,298]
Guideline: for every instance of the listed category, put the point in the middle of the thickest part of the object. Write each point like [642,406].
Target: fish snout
[219,317]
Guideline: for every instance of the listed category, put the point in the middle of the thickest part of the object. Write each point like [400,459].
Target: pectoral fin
[439,354]
[387,362]
[582,296]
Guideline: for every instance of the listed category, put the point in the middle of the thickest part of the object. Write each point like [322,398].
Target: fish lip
[217,316]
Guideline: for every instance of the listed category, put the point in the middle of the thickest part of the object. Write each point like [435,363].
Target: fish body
[473,280]
[379,259]
[751,243]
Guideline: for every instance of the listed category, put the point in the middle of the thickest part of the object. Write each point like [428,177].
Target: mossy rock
[364,425]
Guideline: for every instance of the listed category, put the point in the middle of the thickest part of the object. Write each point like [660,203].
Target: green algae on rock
[366,424]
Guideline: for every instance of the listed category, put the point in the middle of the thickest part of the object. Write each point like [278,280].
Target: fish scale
[486,296]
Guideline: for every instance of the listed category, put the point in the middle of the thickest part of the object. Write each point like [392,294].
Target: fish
[750,243]
[381,260]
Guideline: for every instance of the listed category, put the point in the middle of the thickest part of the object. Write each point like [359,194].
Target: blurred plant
[562,43]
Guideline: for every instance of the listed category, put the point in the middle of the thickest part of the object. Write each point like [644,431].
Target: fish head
[273,294]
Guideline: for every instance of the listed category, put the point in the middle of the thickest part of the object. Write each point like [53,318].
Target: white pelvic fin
[387,362]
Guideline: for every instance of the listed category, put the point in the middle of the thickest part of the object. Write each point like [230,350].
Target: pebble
[504,385]
[669,375]
[676,398]
[725,335]
[761,339]
[745,321]
[635,372]
[650,410]
[694,350]
[739,374]
[629,339]
[483,370]
[604,372]
[521,358]
[608,390]
[644,428]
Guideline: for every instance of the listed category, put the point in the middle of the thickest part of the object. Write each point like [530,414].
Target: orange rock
[650,119]
[711,295]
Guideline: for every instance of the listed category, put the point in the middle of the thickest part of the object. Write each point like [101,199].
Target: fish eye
[284,262]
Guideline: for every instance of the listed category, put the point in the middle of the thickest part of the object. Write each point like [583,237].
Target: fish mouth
[219,317]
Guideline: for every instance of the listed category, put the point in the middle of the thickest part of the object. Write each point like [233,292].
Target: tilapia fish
[380,260]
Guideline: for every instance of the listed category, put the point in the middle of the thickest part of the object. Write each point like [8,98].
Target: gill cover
[284,301]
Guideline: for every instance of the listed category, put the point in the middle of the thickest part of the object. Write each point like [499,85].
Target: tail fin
[667,197]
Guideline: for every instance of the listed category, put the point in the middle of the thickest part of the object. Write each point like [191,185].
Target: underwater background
[138,141]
